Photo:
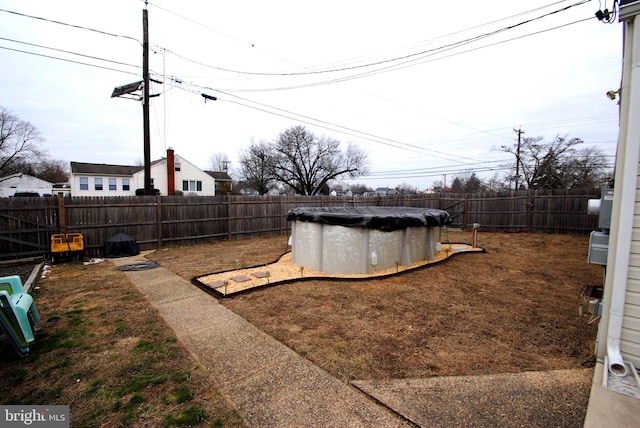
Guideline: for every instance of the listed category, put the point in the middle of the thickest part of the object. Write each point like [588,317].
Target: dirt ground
[511,309]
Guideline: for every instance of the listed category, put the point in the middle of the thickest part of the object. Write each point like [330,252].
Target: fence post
[62,221]
[282,215]
[530,205]
[159,217]
[465,214]
[228,217]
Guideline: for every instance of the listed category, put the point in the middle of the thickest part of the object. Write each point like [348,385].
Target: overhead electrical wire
[444,36]
[330,126]
[395,67]
[106,33]
[390,60]
[227,92]
[69,60]
[70,52]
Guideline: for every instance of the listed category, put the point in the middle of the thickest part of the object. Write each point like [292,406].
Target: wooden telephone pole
[519,132]
[145,101]
[130,91]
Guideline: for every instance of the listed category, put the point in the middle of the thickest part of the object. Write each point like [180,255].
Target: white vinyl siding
[630,335]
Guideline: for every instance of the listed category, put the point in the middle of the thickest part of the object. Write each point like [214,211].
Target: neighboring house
[224,183]
[385,191]
[24,183]
[168,175]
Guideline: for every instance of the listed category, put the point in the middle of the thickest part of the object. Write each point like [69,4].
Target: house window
[84,183]
[191,186]
[97,182]
[177,166]
[125,184]
[112,184]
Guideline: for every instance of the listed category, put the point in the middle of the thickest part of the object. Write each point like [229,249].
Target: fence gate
[26,227]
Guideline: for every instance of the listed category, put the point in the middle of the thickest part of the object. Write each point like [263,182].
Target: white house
[619,328]
[168,175]
[23,183]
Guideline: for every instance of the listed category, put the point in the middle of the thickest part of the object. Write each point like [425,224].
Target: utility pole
[518,131]
[145,101]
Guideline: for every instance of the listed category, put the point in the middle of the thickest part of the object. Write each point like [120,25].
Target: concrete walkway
[270,384]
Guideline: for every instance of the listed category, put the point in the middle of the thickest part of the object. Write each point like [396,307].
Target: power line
[68,60]
[390,60]
[406,64]
[342,129]
[70,52]
[71,25]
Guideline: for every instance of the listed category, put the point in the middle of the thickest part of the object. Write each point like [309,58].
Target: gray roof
[103,169]
[219,175]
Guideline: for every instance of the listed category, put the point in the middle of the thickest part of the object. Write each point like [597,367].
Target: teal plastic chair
[11,284]
[19,307]
[18,314]
[11,328]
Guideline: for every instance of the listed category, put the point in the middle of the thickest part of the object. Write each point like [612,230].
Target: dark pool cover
[386,219]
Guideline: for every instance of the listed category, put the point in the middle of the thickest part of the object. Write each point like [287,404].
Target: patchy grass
[103,349]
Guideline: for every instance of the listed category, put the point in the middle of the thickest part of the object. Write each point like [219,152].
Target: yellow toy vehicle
[67,245]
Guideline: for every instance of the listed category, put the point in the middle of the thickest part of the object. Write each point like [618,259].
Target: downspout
[627,186]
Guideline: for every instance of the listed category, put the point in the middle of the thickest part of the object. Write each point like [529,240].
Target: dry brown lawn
[103,349]
[511,309]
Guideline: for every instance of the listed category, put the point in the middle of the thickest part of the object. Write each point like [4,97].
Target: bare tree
[256,165]
[219,162]
[53,171]
[406,189]
[546,164]
[495,182]
[307,163]
[588,169]
[18,143]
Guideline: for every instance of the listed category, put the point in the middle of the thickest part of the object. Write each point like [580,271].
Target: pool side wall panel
[344,250]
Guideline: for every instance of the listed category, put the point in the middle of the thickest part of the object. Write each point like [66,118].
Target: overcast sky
[426,88]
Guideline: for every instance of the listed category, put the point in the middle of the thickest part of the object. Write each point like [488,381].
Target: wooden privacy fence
[26,224]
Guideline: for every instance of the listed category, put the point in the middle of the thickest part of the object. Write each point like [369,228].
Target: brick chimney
[171,173]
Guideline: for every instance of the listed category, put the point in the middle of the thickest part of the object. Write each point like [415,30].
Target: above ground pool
[342,240]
